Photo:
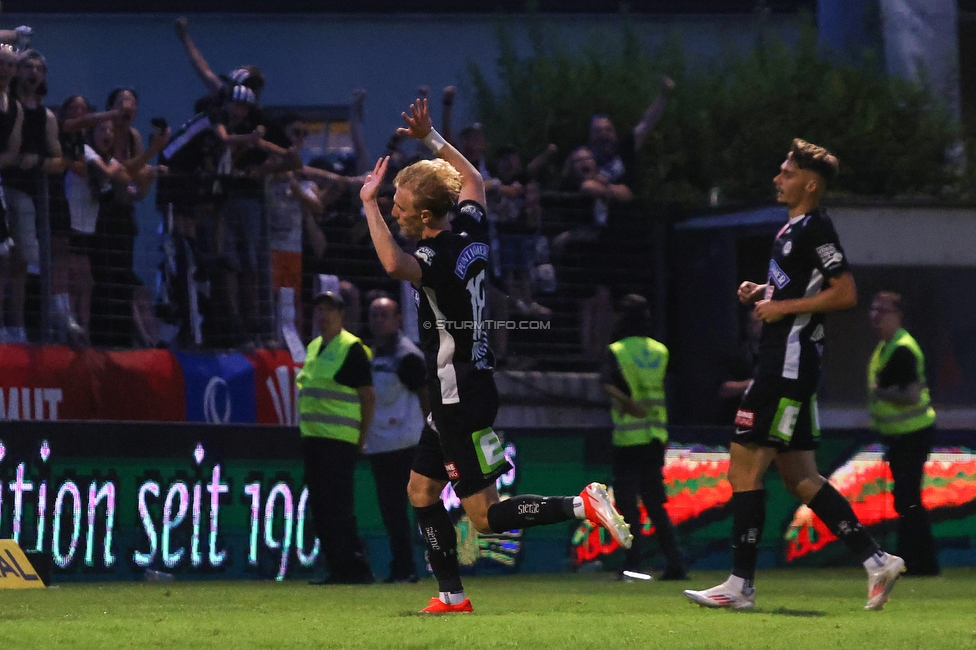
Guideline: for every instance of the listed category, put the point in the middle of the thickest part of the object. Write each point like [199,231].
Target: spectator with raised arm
[115,233]
[244,75]
[40,153]
[517,227]
[285,197]
[123,105]
[615,154]
[11,122]
[73,241]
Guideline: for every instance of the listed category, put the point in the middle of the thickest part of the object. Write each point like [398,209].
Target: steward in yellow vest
[335,409]
[901,411]
[900,403]
[633,377]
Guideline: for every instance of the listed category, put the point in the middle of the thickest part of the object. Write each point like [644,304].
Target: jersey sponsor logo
[787,248]
[471,253]
[489,449]
[472,211]
[777,276]
[830,257]
[452,471]
[744,418]
[425,255]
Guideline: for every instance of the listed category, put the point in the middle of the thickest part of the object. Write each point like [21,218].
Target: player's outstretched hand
[418,121]
[371,186]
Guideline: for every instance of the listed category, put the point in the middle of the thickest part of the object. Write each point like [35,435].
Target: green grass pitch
[796,609]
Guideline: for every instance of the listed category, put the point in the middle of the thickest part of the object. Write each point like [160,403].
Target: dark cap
[331,297]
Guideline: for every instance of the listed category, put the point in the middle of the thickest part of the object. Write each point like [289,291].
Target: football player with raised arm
[448,271]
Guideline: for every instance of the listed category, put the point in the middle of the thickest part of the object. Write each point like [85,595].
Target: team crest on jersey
[476,251]
[787,247]
[830,257]
[472,211]
[425,255]
[777,276]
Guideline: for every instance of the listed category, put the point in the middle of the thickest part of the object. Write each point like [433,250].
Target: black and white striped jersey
[806,255]
[451,302]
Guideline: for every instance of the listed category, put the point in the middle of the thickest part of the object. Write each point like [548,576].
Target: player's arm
[396,261]
[838,295]
[200,65]
[420,127]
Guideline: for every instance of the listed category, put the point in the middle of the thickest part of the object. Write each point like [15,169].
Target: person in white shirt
[399,378]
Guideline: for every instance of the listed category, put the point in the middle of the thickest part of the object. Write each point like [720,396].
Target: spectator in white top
[401,406]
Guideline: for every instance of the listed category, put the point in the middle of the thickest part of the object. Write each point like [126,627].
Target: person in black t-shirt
[777,419]
[449,269]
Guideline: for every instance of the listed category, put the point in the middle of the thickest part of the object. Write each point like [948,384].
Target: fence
[230,247]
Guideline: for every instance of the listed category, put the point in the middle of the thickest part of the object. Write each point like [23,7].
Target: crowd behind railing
[251,228]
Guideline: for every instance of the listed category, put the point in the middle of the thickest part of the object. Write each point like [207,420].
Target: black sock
[748,517]
[834,510]
[440,540]
[527,510]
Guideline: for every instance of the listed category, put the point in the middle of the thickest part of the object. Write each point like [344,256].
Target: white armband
[434,141]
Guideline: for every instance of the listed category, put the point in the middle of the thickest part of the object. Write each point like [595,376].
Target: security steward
[335,409]
[633,377]
[901,411]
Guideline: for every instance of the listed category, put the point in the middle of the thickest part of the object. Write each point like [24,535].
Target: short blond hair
[435,185]
[807,155]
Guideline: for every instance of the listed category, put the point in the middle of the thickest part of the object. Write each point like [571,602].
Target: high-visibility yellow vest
[642,362]
[326,408]
[892,419]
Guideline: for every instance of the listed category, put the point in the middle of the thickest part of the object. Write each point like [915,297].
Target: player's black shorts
[461,447]
[779,413]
